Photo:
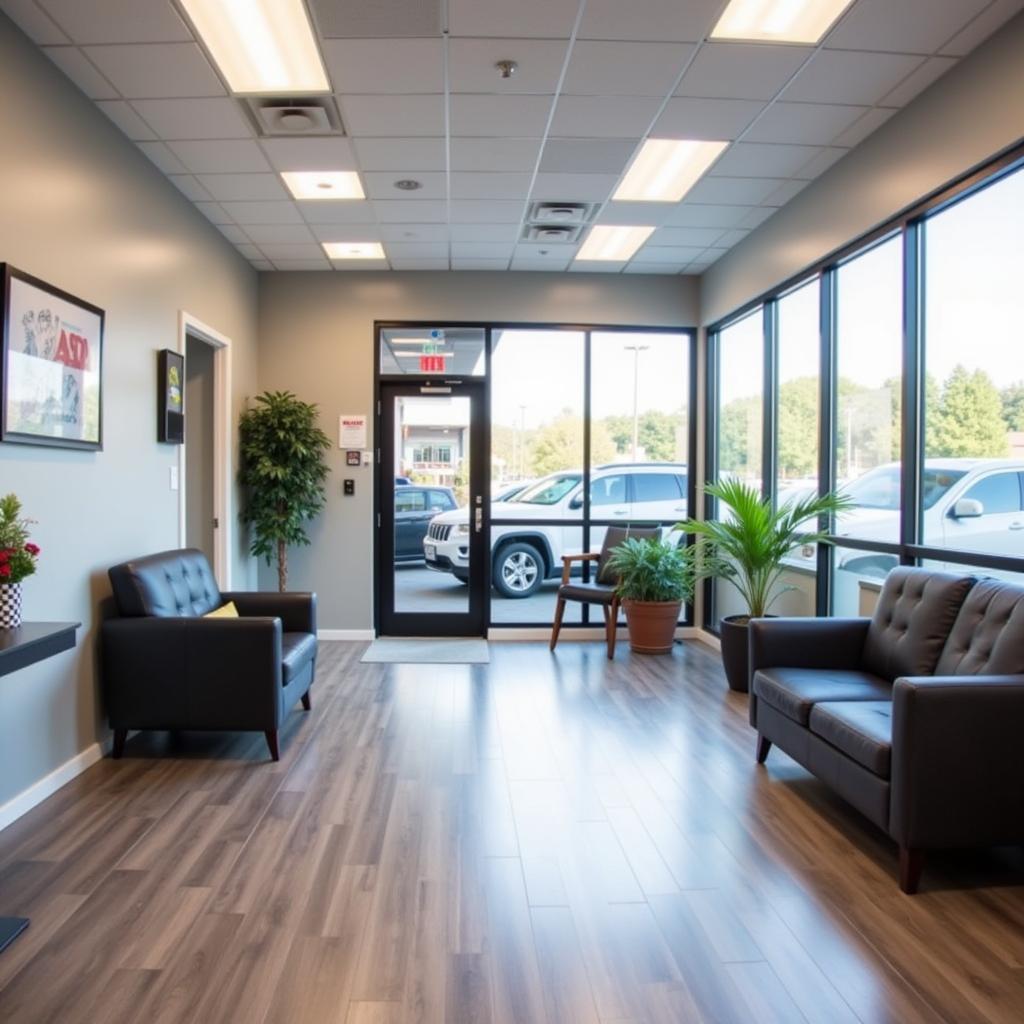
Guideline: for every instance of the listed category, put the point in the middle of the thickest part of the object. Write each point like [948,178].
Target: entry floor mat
[420,651]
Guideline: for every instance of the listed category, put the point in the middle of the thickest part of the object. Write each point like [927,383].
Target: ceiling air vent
[552,233]
[560,213]
[295,117]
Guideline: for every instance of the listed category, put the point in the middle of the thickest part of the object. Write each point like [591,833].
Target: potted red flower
[17,559]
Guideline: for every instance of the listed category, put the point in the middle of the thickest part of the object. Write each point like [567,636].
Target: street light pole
[636,350]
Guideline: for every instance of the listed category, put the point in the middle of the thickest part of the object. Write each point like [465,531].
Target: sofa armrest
[192,673]
[804,643]
[297,611]
[957,773]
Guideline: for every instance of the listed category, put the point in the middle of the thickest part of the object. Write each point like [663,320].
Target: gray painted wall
[972,113]
[82,208]
[316,339]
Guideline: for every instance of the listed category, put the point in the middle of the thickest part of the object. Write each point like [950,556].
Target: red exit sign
[431,364]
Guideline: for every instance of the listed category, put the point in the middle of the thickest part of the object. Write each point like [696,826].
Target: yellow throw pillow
[225,611]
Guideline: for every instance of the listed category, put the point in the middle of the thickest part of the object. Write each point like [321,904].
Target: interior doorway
[205,464]
[200,506]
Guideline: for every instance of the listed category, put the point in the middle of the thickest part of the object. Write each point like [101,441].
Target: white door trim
[222,446]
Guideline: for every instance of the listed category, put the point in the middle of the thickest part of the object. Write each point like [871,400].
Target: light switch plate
[174,478]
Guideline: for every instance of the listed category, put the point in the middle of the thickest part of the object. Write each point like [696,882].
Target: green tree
[798,427]
[1012,399]
[659,434]
[559,444]
[283,473]
[968,421]
[739,436]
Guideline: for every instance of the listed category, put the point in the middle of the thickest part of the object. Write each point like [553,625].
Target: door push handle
[478,519]
[1017,526]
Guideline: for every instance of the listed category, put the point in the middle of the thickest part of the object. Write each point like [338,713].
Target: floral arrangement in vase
[17,559]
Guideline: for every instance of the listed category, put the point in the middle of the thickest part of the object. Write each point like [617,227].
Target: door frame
[224,531]
[474,621]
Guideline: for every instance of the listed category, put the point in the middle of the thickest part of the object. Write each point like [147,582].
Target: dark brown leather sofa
[914,716]
[164,666]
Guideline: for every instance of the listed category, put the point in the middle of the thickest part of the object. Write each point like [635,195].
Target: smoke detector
[316,116]
[560,213]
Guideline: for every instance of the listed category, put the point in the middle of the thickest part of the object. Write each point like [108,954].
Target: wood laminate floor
[541,840]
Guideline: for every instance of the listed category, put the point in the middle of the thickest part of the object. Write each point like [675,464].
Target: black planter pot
[735,655]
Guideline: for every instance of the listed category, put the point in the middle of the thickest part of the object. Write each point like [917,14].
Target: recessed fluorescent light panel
[778,21]
[324,184]
[666,169]
[261,46]
[613,242]
[354,250]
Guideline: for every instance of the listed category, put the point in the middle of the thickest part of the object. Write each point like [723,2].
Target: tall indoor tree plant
[746,546]
[283,469]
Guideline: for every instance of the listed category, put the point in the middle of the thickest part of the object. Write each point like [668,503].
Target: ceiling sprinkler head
[408,184]
[506,68]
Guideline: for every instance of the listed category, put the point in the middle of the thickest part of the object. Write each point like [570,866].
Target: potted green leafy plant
[746,547]
[283,470]
[17,559]
[655,577]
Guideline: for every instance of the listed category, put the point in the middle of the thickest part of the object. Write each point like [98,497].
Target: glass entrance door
[432,510]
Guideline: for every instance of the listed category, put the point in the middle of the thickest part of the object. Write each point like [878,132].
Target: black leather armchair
[165,666]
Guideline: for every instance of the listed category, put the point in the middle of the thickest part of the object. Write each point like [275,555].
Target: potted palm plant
[654,578]
[746,547]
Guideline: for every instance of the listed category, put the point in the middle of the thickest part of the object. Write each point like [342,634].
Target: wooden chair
[601,589]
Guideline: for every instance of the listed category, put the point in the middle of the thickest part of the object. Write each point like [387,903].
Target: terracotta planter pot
[652,625]
[735,653]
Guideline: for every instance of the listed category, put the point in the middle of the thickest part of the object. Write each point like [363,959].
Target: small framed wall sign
[170,426]
[51,365]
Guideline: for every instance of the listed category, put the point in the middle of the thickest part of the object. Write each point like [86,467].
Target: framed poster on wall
[51,362]
[170,426]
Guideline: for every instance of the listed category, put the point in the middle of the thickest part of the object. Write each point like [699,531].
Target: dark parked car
[415,506]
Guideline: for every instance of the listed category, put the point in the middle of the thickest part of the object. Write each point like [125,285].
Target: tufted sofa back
[988,635]
[912,621]
[172,583]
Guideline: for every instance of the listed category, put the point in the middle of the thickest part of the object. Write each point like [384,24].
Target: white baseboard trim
[498,634]
[48,785]
[346,634]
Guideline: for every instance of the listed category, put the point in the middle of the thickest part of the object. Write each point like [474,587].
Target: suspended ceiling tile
[484,154]
[722,120]
[280,233]
[349,19]
[540,19]
[693,237]
[597,267]
[250,252]
[490,185]
[585,188]
[604,117]
[347,233]
[213,212]
[465,264]
[317,154]
[667,20]
[34,22]
[482,250]
[743,71]
[235,235]
[708,215]
[399,263]
[821,162]
[393,116]
[864,126]
[243,186]
[471,65]
[216,118]
[484,232]
[992,18]
[557,255]
[678,254]
[733,191]
[758,160]
[636,213]
[160,155]
[381,184]
[524,116]
[756,217]
[418,250]
[118,21]
[157,70]
[785,192]
[587,156]
[263,265]
[385,65]
[815,124]
[246,213]
[480,211]
[400,154]
[840,76]
[331,211]
[414,232]
[639,267]
[731,238]
[292,251]
[317,264]
[909,26]
[917,81]
[188,186]
[604,68]
[554,262]
[411,211]
[210,156]
[356,265]
[81,71]
[127,120]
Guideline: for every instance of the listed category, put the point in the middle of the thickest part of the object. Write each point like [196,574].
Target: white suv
[525,555]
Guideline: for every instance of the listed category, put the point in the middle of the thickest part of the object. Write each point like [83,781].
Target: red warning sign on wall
[431,364]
